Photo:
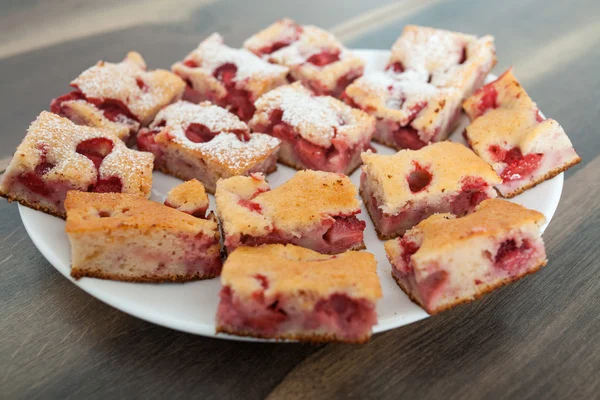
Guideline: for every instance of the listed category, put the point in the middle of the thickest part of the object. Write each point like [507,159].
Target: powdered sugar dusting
[122,82]
[312,117]
[227,149]
[215,118]
[432,49]
[398,91]
[312,40]
[212,53]
[59,137]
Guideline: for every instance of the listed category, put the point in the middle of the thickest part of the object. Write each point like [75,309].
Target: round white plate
[191,307]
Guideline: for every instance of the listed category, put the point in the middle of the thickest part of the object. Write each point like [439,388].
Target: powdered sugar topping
[227,149]
[312,117]
[215,118]
[212,53]
[141,91]
[57,138]
[312,40]
[431,49]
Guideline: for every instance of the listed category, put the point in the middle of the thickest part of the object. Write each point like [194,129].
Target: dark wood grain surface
[538,338]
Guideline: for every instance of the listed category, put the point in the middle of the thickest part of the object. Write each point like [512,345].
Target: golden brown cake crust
[491,218]
[188,196]
[447,162]
[85,213]
[300,203]
[293,270]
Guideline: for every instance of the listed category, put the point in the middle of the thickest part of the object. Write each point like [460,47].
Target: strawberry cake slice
[417,99]
[190,197]
[231,78]
[289,292]
[314,56]
[409,111]
[314,209]
[444,58]
[316,132]
[508,131]
[120,97]
[57,156]
[402,189]
[445,261]
[206,142]
[129,238]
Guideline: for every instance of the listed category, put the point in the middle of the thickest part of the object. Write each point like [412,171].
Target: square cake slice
[444,58]
[206,142]
[313,209]
[417,99]
[316,132]
[128,238]
[508,131]
[410,112]
[289,292]
[120,97]
[314,56]
[189,197]
[231,78]
[445,261]
[57,156]
[402,189]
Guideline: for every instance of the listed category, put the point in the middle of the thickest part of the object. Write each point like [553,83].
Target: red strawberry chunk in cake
[403,189]
[314,56]
[417,99]
[314,209]
[231,78]
[128,238]
[316,132]
[445,261]
[190,197]
[207,143]
[289,292]
[120,97]
[57,156]
[508,131]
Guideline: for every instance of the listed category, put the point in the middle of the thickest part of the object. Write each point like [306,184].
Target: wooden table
[538,338]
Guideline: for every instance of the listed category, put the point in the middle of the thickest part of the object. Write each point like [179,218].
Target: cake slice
[316,132]
[128,238]
[207,143]
[446,58]
[508,131]
[445,261]
[417,99]
[189,197]
[57,156]
[231,78]
[314,56]
[410,112]
[402,189]
[313,209]
[120,97]
[289,292]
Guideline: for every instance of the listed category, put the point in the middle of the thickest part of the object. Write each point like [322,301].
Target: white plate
[191,307]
